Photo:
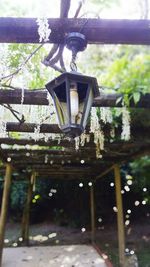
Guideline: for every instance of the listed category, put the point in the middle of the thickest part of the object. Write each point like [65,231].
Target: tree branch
[14,113]
[52,52]
[78,9]
[64,8]
[56,53]
[10,76]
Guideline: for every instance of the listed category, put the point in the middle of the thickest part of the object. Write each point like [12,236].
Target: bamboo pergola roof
[67,163]
[54,160]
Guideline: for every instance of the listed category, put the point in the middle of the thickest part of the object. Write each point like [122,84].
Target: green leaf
[136,97]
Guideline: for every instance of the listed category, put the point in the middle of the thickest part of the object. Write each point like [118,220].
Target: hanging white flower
[98,152]
[3,129]
[106,115]
[59,140]
[22,100]
[46,137]
[99,139]
[22,96]
[3,125]
[88,138]
[98,133]
[36,136]
[84,138]
[46,159]
[126,129]
[94,120]
[43,29]
[77,143]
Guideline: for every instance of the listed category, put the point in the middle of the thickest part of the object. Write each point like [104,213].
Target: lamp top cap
[76,41]
[77,77]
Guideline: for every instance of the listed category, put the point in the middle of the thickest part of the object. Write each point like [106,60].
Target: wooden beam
[120,219]
[64,176]
[102,31]
[104,172]
[41,152]
[56,170]
[89,163]
[26,212]
[29,127]
[39,97]
[115,146]
[53,128]
[92,208]
[68,162]
[71,152]
[4,207]
[31,97]
[41,142]
[23,142]
[110,100]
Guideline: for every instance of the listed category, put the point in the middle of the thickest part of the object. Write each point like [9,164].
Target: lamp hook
[75,42]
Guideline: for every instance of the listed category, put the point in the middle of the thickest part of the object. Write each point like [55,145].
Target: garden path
[53,256]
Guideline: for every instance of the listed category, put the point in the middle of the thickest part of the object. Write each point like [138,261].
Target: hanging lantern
[73,96]
[72,92]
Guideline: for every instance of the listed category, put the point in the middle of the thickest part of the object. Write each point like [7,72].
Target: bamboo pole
[120,219]
[92,204]
[4,207]
[26,211]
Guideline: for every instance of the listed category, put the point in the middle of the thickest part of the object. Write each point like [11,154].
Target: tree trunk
[4,207]
[26,212]
[92,213]
[120,220]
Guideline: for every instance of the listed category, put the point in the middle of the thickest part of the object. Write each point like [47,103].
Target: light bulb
[74,101]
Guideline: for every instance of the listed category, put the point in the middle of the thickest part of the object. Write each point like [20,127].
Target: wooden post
[26,212]
[92,213]
[120,219]
[4,207]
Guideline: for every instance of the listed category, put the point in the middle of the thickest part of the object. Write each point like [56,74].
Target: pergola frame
[97,31]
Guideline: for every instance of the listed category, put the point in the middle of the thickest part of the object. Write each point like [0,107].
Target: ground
[53,256]
[137,238]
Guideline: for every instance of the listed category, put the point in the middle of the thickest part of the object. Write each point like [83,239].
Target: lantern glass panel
[78,93]
[87,106]
[60,100]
